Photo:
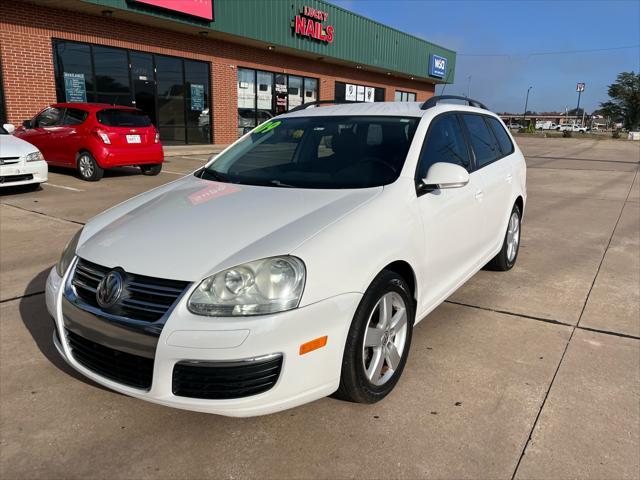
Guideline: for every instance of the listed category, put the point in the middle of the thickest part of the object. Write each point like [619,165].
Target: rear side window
[444,143]
[116,117]
[482,140]
[503,137]
[74,116]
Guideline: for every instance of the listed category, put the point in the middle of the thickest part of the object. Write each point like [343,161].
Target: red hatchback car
[91,137]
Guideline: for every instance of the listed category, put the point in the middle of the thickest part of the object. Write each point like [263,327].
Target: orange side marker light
[313,345]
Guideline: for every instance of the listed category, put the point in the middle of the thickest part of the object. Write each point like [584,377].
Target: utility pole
[469,86]
[526,104]
[579,89]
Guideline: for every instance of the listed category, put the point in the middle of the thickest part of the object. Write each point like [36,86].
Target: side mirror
[445,175]
[9,127]
[27,124]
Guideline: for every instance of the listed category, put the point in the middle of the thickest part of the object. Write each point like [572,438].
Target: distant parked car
[571,128]
[92,137]
[20,162]
[515,126]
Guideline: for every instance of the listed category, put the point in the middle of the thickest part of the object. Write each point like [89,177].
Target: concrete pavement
[532,373]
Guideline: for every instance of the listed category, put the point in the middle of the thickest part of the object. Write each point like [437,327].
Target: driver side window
[50,117]
[445,142]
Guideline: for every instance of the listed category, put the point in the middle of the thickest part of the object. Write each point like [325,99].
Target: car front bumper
[303,378]
[23,173]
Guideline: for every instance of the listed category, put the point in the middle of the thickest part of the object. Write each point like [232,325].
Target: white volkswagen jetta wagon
[296,263]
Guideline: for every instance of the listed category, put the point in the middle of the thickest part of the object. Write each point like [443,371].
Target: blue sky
[515,29]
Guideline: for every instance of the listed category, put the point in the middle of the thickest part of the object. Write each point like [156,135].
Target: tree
[624,100]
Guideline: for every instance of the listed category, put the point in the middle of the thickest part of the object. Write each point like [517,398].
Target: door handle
[508,178]
[479,195]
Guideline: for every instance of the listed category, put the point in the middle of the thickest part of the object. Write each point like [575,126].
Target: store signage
[194,8]
[580,87]
[369,95]
[438,66]
[74,87]
[309,23]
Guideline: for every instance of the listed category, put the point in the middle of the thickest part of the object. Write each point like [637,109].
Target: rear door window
[444,143]
[503,137]
[74,116]
[50,117]
[116,117]
[483,142]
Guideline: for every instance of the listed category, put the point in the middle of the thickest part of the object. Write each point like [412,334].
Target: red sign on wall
[310,24]
[195,8]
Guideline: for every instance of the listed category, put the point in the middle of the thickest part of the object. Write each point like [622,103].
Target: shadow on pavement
[39,324]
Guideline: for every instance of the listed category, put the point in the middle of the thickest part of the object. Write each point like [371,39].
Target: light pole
[526,104]
[469,86]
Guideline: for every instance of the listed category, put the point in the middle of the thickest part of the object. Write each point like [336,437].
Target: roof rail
[433,101]
[320,102]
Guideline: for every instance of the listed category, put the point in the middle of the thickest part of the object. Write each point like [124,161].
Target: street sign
[580,87]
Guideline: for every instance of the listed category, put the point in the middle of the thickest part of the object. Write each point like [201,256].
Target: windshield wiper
[207,174]
[278,183]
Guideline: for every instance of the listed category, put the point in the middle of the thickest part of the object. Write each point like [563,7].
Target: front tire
[151,170]
[378,341]
[506,258]
[88,168]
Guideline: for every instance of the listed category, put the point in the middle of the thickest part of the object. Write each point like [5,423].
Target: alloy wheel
[86,166]
[385,338]
[513,236]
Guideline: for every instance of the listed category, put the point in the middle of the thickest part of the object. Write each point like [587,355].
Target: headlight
[67,254]
[34,157]
[256,288]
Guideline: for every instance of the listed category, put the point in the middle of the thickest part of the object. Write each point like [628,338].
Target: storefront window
[262,95]
[349,92]
[173,92]
[405,96]
[295,91]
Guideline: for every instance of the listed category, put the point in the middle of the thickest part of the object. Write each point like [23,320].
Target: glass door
[144,85]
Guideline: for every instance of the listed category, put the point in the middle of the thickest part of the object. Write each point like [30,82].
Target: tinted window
[112,71]
[318,152]
[50,117]
[503,137]
[482,140]
[444,143]
[123,118]
[74,116]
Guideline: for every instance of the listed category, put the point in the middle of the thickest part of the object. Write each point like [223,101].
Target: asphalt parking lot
[527,374]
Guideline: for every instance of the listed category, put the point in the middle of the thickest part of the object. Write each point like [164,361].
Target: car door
[453,219]
[495,175]
[67,138]
[42,128]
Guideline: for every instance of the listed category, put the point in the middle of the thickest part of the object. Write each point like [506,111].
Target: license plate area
[133,139]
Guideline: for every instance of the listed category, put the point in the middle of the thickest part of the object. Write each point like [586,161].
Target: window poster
[369,94]
[74,87]
[360,93]
[350,92]
[197,97]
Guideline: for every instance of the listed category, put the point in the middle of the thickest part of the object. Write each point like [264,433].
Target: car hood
[193,228]
[11,146]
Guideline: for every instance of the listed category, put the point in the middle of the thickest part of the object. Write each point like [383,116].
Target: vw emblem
[109,289]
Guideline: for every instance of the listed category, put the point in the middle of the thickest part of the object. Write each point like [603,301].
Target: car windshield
[318,152]
[116,117]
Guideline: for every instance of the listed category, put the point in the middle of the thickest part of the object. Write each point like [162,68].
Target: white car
[295,264]
[20,162]
[571,128]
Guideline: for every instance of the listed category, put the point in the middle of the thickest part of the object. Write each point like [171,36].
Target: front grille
[143,298]
[9,160]
[16,178]
[225,380]
[116,365]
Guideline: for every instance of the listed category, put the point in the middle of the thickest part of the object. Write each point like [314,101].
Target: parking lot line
[173,173]
[63,186]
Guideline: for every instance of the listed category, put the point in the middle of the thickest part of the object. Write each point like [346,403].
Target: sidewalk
[184,150]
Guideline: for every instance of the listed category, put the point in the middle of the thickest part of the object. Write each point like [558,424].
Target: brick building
[205,71]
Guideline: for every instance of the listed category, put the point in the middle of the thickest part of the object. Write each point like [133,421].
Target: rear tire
[88,168]
[378,341]
[506,258]
[151,170]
